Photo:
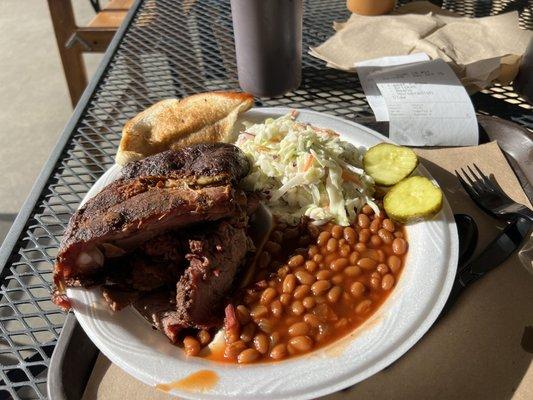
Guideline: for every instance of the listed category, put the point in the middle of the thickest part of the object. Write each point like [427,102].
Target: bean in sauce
[315,285]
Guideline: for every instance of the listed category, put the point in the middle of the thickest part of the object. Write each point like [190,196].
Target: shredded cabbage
[306,170]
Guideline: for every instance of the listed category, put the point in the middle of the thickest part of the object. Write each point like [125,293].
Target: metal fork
[490,197]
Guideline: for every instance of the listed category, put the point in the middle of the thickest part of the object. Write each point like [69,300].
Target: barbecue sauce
[201,381]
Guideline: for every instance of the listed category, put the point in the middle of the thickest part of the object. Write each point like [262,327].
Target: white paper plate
[127,339]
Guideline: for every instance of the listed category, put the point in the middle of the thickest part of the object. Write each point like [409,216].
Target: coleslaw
[306,170]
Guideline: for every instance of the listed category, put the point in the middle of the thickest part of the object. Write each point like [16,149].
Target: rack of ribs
[173,223]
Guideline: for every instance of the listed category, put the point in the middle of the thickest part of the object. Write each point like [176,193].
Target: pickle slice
[388,164]
[413,198]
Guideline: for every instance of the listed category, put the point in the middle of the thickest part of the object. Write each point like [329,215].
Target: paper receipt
[427,105]
[366,68]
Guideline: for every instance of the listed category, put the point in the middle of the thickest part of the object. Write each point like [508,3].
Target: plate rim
[404,346]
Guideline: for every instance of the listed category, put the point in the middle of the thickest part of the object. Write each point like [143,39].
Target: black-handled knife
[499,250]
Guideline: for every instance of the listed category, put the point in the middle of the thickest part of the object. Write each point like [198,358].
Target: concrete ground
[34,100]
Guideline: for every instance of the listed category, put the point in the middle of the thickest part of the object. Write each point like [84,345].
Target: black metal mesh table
[166,48]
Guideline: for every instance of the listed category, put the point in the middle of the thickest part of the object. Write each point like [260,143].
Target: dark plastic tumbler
[268,43]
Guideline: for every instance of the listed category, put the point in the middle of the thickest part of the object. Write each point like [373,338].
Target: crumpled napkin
[479,50]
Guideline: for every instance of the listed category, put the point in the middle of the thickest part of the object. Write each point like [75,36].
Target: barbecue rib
[162,193]
[127,213]
[204,164]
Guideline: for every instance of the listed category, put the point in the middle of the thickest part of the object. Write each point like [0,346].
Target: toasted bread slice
[174,123]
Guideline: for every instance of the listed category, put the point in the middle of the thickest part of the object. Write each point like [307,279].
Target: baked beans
[278,352]
[367,210]
[191,345]
[313,285]
[363,221]
[301,291]
[247,356]
[204,337]
[375,225]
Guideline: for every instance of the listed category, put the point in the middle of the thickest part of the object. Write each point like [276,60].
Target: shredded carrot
[349,176]
[328,132]
[308,162]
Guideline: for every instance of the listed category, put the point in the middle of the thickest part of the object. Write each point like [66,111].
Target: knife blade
[499,250]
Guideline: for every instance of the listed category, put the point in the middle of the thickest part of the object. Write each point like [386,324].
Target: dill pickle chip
[413,198]
[388,164]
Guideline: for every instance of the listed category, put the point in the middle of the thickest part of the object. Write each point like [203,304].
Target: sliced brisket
[214,259]
[118,297]
[159,308]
